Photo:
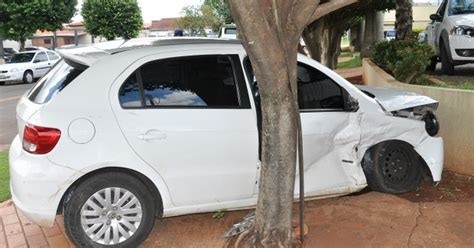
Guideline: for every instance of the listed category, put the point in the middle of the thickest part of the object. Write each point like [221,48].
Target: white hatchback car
[451,34]
[119,133]
[26,66]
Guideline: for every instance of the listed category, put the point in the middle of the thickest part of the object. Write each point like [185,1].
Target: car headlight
[14,70]
[463,30]
[431,123]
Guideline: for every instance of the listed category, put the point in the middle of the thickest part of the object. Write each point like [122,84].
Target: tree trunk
[323,40]
[270,32]
[2,55]
[22,44]
[361,34]
[354,38]
[369,34]
[404,19]
[379,26]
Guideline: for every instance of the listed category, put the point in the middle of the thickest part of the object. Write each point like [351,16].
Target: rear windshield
[53,82]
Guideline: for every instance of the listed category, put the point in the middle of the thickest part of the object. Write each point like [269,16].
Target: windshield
[462,7]
[22,57]
[390,33]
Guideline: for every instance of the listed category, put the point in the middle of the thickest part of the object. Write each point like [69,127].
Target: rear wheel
[109,210]
[28,77]
[447,67]
[393,167]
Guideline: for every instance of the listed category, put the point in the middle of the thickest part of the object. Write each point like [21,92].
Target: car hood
[464,19]
[393,100]
[7,67]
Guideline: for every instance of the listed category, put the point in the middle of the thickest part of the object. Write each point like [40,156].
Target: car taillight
[40,140]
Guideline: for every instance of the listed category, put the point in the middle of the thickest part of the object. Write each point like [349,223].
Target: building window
[47,41]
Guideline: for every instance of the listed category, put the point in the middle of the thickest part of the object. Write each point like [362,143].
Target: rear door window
[52,56]
[41,57]
[186,82]
[53,82]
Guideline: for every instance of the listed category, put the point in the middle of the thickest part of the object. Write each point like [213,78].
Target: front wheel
[28,77]
[109,210]
[393,167]
[447,67]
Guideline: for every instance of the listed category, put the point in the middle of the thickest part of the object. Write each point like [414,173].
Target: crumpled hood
[393,100]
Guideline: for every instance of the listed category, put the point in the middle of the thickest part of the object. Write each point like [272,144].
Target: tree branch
[329,7]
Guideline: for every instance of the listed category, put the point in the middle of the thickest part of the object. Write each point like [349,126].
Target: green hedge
[406,60]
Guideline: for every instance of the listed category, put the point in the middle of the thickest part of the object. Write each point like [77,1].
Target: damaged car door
[331,132]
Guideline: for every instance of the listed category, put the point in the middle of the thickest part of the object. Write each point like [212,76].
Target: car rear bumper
[36,184]
[432,151]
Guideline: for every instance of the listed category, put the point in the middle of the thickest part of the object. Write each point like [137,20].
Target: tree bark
[2,55]
[22,44]
[354,38]
[323,40]
[270,32]
[379,26]
[404,19]
[369,34]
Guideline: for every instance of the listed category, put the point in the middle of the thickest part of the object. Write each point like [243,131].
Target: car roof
[87,55]
[35,51]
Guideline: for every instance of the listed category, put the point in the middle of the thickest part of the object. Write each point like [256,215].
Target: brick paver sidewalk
[17,231]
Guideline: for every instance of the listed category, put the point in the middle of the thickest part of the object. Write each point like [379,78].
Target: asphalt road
[9,96]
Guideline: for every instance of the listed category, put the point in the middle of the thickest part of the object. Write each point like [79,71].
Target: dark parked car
[8,53]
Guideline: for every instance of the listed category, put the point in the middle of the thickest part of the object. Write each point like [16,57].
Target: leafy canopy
[112,18]
[221,10]
[20,19]
[196,18]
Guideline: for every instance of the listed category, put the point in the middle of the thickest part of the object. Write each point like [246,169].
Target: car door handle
[152,135]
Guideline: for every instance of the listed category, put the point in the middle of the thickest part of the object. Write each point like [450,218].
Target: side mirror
[351,104]
[436,17]
[36,61]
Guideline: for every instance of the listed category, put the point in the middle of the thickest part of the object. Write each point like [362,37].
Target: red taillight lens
[40,140]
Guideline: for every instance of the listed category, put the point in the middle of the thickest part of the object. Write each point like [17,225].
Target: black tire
[432,66]
[447,67]
[28,77]
[393,167]
[2,83]
[76,199]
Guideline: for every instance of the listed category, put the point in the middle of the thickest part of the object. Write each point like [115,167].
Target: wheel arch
[444,40]
[425,167]
[144,179]
[29,70]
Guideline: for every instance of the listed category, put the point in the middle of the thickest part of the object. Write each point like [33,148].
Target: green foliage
[112,18]
[4,177]
[197,18]
[416,31]
[406,59]
[20,19]
[219,214]
[221,10]
[356,62]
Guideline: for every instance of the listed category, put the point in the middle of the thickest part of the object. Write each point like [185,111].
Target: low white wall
[455,113]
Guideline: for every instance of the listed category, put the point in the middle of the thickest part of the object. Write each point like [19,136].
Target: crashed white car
[121,132]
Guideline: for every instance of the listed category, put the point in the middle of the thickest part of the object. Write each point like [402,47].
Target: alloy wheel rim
[111,216]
